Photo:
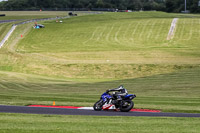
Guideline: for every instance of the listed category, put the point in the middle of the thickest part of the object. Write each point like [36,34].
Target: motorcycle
[111,102]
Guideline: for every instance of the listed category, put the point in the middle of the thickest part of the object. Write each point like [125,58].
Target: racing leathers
[118,92]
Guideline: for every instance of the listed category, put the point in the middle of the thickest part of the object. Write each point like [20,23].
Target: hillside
[89,54]
[101,42]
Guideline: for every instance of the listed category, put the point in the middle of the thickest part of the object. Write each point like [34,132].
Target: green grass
[23,123]
[73,62]
[106,33]
[173,92]
[4,28]
[136,41]
[22,16]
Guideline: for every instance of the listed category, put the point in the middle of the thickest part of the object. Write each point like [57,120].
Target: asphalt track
[8,21]
[61,111]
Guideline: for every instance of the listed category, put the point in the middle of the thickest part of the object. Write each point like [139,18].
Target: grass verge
[23,123]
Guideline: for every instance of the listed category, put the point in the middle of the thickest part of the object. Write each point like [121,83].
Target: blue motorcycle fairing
[129,95]
[105,96]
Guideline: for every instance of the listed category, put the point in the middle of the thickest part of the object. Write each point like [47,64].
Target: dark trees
[159,5]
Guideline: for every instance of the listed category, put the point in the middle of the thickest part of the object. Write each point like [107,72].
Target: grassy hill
[89,54]
[4,28]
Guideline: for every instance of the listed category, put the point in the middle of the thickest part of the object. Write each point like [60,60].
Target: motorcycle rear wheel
[127,107]
[98,105]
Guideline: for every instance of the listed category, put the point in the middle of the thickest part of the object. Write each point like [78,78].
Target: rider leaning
[118,92]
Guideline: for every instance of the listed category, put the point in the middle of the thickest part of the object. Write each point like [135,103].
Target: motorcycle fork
[109,101]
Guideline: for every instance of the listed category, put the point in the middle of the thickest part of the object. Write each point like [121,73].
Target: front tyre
[98,105]
[126,106]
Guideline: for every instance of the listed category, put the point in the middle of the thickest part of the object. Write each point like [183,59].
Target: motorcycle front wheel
[98,105]
[126,106]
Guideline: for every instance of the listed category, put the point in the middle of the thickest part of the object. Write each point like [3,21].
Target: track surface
[60,111]
[90,108]
[8,21]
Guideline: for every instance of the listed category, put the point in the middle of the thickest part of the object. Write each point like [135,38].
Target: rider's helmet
[122,89]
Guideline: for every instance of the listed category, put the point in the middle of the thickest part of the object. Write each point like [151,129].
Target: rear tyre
[98,105]
[126,106]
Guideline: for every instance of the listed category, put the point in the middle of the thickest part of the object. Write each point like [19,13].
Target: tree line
[158,5]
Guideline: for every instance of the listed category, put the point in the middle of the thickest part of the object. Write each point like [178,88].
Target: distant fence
[62,9]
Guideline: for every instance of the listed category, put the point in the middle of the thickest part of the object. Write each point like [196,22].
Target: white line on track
[172,29]
[7,36]
[87,108]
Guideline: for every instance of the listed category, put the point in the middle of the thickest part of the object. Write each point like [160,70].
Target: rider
[118,92]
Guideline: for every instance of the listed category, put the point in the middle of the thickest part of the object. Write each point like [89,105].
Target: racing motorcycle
[111,102]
